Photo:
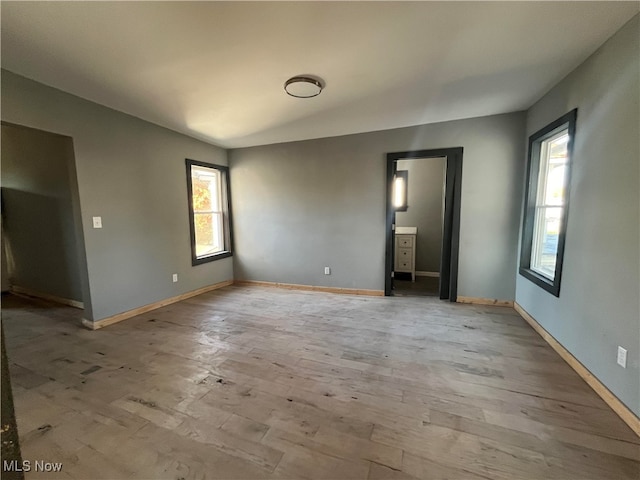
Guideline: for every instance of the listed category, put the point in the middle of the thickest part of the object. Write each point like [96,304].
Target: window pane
[208,229]
[553,168]
[207,217]
[545,240]
[558,146]
[549,205]
[554,191]
[205,183]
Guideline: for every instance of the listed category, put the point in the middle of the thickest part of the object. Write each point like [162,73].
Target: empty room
[320,240]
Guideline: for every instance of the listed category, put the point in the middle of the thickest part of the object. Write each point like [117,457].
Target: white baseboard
[428,274]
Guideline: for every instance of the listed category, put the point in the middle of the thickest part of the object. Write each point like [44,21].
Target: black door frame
[451,225]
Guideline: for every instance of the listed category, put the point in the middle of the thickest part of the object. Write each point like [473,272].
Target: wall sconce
[400,187]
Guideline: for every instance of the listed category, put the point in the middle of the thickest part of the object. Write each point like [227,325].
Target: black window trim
[227,219]
[531,190]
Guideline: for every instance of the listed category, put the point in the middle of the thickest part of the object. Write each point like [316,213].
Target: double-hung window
[545,214]
[209,212]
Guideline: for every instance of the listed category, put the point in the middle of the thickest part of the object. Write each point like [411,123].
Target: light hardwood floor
[257,382]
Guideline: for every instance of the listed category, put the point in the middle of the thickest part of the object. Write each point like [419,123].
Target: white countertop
[406,230]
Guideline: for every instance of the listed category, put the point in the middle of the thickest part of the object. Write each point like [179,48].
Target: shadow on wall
[37,230]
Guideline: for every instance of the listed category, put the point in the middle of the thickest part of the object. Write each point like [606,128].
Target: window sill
[553,287]
[210,258]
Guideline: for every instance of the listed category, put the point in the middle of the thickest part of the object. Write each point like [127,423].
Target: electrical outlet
[175,277]
[97,222]
[327,270]
[622,357]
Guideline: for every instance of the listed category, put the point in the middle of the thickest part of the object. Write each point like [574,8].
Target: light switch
[622,357]
[97,222]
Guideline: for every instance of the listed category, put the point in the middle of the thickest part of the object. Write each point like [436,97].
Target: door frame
[451,221]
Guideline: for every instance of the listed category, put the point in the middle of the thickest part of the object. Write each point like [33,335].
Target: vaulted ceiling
[215,70]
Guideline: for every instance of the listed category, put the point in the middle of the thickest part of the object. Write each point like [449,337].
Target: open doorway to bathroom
[417,248]
[423,221]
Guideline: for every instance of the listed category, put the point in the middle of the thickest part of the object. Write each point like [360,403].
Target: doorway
[418,226]
[42,242]
[402,241]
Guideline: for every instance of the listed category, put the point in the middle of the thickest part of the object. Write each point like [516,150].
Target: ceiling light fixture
[303,87]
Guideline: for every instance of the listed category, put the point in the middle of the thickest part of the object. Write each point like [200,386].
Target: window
[209,212]
[545,214]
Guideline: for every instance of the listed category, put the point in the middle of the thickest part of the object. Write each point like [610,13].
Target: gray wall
[37,202]
[598,305]
[301,206]
[132,173]
[425,209]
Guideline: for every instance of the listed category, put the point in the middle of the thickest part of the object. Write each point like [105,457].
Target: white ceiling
[215,70]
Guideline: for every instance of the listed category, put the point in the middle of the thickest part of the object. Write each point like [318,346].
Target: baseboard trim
[45,296]
[152,306]
[603,392]
[485,301]
[428,274]
[313,288]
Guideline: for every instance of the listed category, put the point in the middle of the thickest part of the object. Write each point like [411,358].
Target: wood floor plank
[419,467]
[575,437]
[349,446]
[245,428]
[305,458]
[181,456]
[236,446]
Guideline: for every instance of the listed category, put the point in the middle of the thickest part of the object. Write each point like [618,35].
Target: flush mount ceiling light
[303,87]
